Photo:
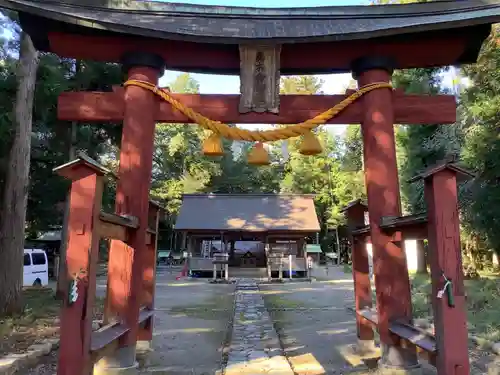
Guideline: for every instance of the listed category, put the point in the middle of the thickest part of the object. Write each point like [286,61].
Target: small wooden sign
[260,78]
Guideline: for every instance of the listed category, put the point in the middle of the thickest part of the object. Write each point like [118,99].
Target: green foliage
[480,120]
[419,146]
[50,137]
[483,303]
[335,177]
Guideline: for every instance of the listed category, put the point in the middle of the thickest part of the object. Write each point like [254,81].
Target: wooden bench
[408,334]
[106,340]
[414,336]
[370,315]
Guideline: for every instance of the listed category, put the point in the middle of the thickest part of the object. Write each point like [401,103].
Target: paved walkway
[254,348]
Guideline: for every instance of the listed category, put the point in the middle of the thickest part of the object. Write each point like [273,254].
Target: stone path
[254,347]
[313,324]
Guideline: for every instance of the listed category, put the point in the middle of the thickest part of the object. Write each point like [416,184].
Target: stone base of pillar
[385,370]
[101,370]
[122,362]
[366,348]
[398,361]
[143,352]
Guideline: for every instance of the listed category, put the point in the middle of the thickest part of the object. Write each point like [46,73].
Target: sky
[218,84]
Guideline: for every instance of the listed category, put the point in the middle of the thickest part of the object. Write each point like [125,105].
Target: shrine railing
[440,225]
[80,347]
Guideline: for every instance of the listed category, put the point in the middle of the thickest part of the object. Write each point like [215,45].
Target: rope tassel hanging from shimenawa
[258,155]
[310,144]
[212,145]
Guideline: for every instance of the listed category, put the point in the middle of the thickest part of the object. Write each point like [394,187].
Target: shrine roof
[247,213]
[315,40]
[233,25]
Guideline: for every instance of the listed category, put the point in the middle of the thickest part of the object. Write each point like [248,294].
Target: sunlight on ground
[357,359]
[270,292]
[333,331]
[184,330]
[303,364]
[181,284]
[343,281]
[277,365]
[306,364]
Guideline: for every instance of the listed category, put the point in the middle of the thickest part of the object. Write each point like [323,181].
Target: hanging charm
[448,289]
[310,144]
[212,146]
[258,155]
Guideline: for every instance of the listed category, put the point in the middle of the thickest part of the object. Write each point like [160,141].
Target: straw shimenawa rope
[289,131]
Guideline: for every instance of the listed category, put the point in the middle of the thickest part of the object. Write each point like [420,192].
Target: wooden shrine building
[259,45]
[275,223]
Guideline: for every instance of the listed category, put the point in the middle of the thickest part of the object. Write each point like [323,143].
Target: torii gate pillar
[382,187]
[127,260]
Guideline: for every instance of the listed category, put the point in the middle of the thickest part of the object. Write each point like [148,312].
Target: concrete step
[247,272]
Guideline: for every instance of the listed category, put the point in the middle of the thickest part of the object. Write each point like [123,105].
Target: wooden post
[308,270]
[450,318]
[355,213]
[382,186]
[127,260]
[145,334]
[81,264]
[280,270]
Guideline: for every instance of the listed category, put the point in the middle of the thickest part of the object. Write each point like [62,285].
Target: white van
[36,268]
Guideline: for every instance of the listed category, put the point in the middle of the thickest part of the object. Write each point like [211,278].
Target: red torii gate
[367,41]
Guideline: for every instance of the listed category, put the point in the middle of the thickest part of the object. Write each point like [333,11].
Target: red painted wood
[445,256]
[382,185]
[82,254]
[127,261]
[109,107]
[149,275]
[437,48]
[360,273]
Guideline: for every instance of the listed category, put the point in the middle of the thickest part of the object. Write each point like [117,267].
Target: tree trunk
[62,278]
[421,257]
[12,224]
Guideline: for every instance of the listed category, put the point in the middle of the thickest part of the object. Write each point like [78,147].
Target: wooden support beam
[382,187]
[128,261]
[112,231]
[450,319]
[360,271]
[149,271]
[110,107]
[125,221]
[81,258]
[405,227]
[116,227]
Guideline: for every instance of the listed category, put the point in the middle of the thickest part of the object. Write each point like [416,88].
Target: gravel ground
[311,319]
[190,328]
[316,329]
